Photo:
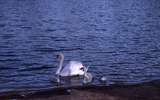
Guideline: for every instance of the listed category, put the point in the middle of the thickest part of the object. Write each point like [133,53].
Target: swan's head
[60,56]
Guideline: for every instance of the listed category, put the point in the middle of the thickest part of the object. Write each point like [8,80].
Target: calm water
[118,39]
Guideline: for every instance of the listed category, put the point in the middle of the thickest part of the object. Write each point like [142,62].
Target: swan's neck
[87,78]
[60,65]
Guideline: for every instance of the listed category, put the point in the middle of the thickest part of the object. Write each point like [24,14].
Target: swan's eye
[82,68]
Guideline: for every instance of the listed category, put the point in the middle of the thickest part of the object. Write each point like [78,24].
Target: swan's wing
[70,69]
[73,68]
[77,67]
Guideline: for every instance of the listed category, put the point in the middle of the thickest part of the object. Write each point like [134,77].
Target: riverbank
[143,91]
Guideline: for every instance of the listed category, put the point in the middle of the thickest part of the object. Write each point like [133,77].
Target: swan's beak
[57,56]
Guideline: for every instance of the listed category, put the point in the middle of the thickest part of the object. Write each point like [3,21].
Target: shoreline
[142,91]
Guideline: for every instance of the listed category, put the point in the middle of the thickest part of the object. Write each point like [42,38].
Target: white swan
[73,68]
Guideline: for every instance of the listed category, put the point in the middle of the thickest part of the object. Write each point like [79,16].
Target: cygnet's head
[103,79]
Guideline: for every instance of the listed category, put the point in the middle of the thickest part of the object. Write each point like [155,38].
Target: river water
[119,39]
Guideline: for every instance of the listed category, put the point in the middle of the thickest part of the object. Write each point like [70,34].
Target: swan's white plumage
[72,68]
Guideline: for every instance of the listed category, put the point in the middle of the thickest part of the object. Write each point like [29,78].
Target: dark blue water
[119,39]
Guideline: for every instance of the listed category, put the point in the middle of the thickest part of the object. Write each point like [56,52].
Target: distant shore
[143,91]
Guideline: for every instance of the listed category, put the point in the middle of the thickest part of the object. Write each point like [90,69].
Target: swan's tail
[86,68]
